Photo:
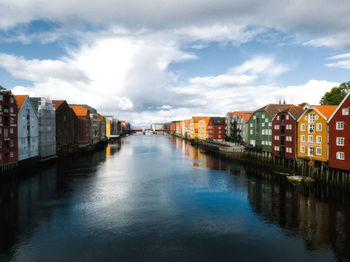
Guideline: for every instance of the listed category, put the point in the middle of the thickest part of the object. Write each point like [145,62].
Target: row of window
[287,117]
[11,155]
[288,149]
[266,143]
[311,150]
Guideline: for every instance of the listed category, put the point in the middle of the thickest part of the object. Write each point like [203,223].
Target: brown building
[8,129]
[285,138]
[66,127]
[84,125]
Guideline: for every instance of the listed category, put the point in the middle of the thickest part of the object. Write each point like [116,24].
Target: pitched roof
[273,109]
[57,103]
[20,100]
[326,111]
[35,102]
[230,114]
[339,106]
[296,111]
[247,116]
[197,118]
[218,120]
[79,110]
[241,113]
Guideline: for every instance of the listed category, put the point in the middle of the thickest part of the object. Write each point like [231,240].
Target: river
[157,198]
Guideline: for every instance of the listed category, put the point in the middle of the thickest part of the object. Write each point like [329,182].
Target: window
[302,149]
[305,117]
[6,132]
[310,139]
[270,123]
[340,125]
[219,136]
[319,139]
[302,127]
[311,151]
[1,98]
[11,109]
[318,127]
[263,132]
[277,127]
[302,138]
[251,131]
[340,141]
[318,151]
[11,154]
[277,138]
[262,124]
[277,148]
[219,127]
[11,130]
[311,128]
[278,117]
[340,155]
[311,118]
[288,138]
[262,116]
[345,111]
[251,124]
[266,120]
[263,142]
[287,117]
[254,117]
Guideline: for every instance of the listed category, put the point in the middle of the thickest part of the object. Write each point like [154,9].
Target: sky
[162,60]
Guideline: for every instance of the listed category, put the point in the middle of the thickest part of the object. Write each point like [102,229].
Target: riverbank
[26,167]
[318,171]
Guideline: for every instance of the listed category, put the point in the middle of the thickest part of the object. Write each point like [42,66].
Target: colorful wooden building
[66,127]
[186,126]
[260,126]
[8,130]
[216,129]
[284,132]
[194,126]
[203,128]
[339,136]
[84,125]
[239,130]
[229,125]
[178,128]
[313,132]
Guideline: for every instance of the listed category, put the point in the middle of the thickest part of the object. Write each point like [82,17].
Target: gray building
[47,125]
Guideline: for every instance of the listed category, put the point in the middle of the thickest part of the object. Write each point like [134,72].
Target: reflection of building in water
[321,224]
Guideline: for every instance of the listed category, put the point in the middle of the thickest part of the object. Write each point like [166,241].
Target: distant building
[159,126]
[47,125]
[66,127]
[101,128]
[229,125]
[8,129]
[203,128]
[109,124]
[84,125]
[28,128]
[94,122]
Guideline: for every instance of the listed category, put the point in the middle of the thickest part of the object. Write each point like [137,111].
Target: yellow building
[202,128]
[313,132]
[194,126]
[108,125]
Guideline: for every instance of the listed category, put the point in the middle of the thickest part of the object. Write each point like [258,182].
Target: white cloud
[223,80]
[343,61]
[261,64]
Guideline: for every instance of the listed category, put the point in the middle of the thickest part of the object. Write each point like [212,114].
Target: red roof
[20,100]
[57,103]
[79,110]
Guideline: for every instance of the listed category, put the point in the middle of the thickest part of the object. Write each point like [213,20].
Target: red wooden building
[8,129]
[216,128]
[285,138]
[339,136]
[84,124]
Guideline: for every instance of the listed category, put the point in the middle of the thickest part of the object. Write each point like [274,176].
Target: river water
[156,198]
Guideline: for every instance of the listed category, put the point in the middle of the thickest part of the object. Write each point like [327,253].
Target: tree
[303,104]
[2,88]
[336,95]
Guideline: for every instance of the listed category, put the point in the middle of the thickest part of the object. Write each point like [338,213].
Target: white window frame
[310,138]
[302,127]
[339,125]
[302,138]
[302,149]
[345,112]
[277,127]
[319,139]
[318,151]
[340,141]
[340,155]
[319,127]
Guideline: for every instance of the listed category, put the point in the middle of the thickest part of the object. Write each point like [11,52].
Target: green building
[260,126]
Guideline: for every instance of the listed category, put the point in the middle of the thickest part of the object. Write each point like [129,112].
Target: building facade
[84,125]
[229,125]
[239,126]
[8,129]
[28,128]
[260,126]
[216,128]
[66,127]
[94,122]
[101,128]
[339,136]
[284,132]
[47,125]
[313,132]
[203,128]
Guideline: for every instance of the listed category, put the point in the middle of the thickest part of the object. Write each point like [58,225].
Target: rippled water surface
[156,198]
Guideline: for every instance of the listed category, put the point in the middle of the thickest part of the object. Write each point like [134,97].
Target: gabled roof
[57,103]
[218,120]
[35,102]
[247,116]
[79,110]
[20,100]
[340,105]
[296,111]
[196,118]
[230,114]
[273,109]
[324,111]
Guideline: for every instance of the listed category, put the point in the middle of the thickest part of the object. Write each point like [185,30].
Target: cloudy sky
[161,60]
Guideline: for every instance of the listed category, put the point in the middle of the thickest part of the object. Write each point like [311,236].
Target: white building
[28,129]
[47,125]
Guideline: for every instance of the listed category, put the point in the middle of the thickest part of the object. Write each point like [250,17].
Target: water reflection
[299,211]
[152,198]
